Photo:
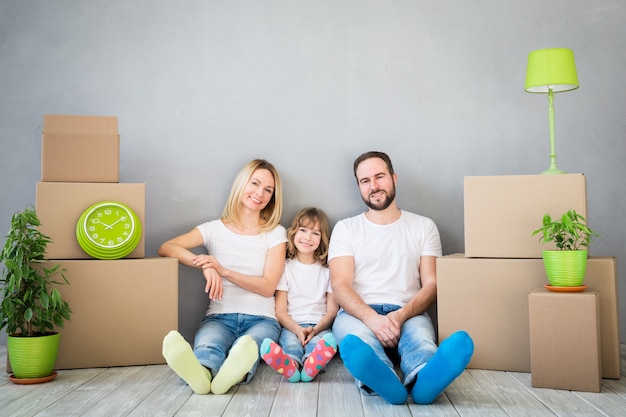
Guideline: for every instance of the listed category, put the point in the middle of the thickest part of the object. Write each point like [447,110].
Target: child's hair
[309,217]
[272,212]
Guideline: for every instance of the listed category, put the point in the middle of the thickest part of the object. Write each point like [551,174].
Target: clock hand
[112,224]
[96,221]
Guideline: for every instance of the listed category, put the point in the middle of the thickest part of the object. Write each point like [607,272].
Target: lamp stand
[553,168]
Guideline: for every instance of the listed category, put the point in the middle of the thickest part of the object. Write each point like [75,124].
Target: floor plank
[151,391]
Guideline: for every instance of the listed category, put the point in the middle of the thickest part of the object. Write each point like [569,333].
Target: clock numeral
[95,236]
[111,242]
[92,228]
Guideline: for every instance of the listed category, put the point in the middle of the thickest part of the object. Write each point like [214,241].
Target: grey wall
[201,87]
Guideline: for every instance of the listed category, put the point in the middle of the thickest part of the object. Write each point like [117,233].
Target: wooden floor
[156,391]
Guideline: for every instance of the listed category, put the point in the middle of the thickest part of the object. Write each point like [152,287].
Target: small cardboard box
[514,205]
[80,149]
[488,298]
[565,340]
[121,310]
[60,204]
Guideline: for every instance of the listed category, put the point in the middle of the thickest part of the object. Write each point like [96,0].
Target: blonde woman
[245,259]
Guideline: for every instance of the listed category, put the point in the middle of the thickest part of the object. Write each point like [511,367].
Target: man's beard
[385,203]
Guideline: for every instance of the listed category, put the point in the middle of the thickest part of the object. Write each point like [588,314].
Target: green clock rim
[109,252]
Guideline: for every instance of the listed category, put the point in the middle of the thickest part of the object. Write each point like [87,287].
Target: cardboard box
[60,204]
[80,149]
[514,206]
[489,299]
[121,310]
[565,340]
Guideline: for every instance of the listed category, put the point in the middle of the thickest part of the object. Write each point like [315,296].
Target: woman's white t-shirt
[386,257]
[245,254]
[306,286]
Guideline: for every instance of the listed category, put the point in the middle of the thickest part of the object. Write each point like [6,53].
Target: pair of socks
[181,359]
[449,361]
[275,357]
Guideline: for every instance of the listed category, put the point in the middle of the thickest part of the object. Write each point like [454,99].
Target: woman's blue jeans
[416,346]
[218,332]
[291,344]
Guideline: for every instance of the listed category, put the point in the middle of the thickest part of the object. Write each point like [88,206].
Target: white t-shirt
[246,255]
[306,286]
[386,257]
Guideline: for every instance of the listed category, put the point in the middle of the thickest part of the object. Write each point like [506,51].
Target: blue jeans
[218,332]
[416,346]
[291,344]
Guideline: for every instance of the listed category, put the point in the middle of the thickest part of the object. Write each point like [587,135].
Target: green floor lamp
[551,70]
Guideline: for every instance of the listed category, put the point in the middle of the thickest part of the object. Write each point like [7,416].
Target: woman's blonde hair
[309,217]
[271,212]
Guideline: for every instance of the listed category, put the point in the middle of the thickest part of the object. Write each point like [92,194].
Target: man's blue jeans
[417,340]
[218,333]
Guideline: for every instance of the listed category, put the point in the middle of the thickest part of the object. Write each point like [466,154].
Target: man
[383,273]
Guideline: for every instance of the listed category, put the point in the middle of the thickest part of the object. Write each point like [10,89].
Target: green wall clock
[108,230]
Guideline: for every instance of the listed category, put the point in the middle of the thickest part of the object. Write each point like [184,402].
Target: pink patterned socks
[275,357]
[323,352]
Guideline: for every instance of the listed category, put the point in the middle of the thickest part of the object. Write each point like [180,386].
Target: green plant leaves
[570,232]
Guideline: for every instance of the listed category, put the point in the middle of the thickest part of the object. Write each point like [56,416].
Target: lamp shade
[551,69]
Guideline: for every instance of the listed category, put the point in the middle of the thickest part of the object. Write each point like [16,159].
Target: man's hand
[386,328]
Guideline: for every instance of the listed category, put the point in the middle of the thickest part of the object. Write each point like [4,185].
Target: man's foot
[449,362]
[364,365]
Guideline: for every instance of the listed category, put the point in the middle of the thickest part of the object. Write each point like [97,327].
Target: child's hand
[309,333]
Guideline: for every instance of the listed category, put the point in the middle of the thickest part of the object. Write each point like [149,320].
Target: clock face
[108,230]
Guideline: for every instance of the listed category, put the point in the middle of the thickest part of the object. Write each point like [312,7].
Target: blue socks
[452,357]
[449,362]
[364,365]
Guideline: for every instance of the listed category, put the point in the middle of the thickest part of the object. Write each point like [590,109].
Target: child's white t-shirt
[306,286]
[245,254]
[386,257]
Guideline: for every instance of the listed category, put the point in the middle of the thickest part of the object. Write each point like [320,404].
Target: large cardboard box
[60,204]
[80,149]
[501,212]
[565,340]
[121,310]
[489,299]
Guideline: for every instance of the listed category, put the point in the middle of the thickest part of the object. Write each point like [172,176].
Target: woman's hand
[214,287]
[207,261]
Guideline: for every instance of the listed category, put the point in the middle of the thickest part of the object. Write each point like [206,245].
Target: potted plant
[566,266]
[32,307]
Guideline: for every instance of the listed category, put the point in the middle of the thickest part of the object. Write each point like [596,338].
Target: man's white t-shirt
[386,257]
[245,254]
[306,286]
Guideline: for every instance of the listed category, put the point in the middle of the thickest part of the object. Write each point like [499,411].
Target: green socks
[452,357]
[241,358]
[180,357]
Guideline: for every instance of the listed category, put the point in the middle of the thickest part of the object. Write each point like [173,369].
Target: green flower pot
[565,268]
[33,357]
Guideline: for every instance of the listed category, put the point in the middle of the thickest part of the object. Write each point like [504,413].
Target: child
[305,306]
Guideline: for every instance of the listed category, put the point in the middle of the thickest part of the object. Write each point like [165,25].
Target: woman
[246,257]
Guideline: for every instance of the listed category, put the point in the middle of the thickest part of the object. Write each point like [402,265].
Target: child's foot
[275,356]
[450,361]
[323,352]
[364,365]
[179,356]
[241,358]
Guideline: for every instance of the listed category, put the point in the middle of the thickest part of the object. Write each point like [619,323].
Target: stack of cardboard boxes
[122,308]
[485,290]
